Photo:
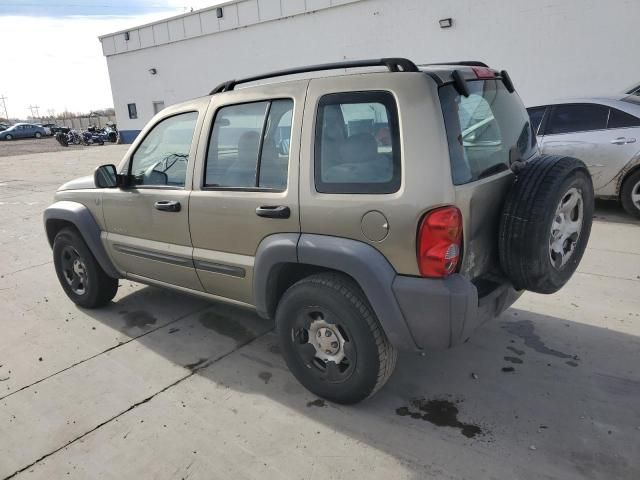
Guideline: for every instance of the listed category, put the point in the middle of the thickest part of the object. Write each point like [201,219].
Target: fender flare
[79,216]
[366,265]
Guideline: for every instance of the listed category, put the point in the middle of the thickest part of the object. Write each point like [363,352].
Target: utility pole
[4,106]
[35,113]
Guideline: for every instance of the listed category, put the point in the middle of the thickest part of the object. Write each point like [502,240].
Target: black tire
[540,199]
[329,298]
[630,189]
[95,288]
[37,135]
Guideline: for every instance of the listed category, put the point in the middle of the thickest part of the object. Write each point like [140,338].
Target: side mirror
[106,176]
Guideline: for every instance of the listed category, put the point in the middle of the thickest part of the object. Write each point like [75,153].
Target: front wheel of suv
[81,276]
[331,339]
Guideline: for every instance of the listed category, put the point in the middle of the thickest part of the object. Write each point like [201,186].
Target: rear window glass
[357,144]
[536,114]
[485,130]
[577,118]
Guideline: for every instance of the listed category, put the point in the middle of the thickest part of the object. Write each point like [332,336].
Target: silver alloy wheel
[635,195]
[327,341]
[566,228]
[75,270]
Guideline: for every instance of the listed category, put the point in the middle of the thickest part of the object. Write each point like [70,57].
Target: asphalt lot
[25,146]
[162,385]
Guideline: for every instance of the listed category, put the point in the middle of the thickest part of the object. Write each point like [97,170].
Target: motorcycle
[62,139]
[92,137]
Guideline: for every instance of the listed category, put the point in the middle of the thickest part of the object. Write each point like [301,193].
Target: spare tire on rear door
[546,223]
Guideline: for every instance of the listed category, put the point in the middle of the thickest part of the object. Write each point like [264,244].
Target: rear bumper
[441,313]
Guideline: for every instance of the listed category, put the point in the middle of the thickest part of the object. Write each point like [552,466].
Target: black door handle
[274,212]
[168,206]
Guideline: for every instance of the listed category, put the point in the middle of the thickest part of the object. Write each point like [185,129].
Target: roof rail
[393,64]
[465,63]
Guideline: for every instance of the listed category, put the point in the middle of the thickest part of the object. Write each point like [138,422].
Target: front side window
[249,146]
[619,119]
[486,131]
[357,144]
[161,159]
[573,118]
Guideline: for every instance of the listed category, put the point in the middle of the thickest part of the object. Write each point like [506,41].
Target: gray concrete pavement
[161,385]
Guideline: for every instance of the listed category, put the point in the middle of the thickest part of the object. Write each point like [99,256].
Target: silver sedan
[604,132]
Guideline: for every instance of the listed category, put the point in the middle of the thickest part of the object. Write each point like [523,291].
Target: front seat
[242,172]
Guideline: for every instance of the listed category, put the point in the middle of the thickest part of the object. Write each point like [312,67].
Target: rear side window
[618,119]
[485,130]
[535,115]
[249,146]
[357,144]
[577,118]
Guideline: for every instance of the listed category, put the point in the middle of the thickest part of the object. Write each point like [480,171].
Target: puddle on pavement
[513,359]
[265,377]
[439,412]
[317,403]
[226,325]
[139,319]
[195,365]
[508,369]
[525,330]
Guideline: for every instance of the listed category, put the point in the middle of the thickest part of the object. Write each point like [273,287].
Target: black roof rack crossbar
[393,64]
[464,63]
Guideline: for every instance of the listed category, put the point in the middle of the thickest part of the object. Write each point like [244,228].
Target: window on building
[577,118]
[249,146]
[133,111]
[158,106]
[357,144]
[619,119]
[162,157]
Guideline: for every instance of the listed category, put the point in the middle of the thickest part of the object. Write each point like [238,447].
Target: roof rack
[464,63]
[393,64]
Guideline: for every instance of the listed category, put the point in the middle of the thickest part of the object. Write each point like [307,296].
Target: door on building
[247,189]
[147,224]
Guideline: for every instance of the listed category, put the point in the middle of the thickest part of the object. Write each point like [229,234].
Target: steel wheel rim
[635,195]
[566,228]
[323,345]
[74,270]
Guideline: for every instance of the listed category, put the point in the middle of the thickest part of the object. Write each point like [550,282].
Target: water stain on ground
[439,412]
[265,377]
[525,330]
[173,330]
[508,369]
[513,359]
[139,319]
[317,403]
[515,350]
[571,363]
[275,349]
[196,365]
[226,325]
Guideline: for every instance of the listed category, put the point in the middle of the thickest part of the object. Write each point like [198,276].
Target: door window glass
[577,118]
[162,157]
[357,144]
[618,119]
[249,146]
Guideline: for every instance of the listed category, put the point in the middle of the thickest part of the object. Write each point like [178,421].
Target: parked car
[604,132]
[22,130]
[633,90]
[4,126]
[389,220]
[52,128]
[47,130]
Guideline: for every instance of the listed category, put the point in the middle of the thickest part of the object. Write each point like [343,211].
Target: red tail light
[440,242]
[484,72]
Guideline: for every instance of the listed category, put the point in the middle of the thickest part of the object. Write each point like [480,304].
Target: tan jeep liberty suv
[384,206]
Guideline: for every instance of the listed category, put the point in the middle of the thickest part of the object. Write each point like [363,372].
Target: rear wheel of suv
[81,276]
[546,223]
[630,194]
[332,341]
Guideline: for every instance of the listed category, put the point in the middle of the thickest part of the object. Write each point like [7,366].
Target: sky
[50,55]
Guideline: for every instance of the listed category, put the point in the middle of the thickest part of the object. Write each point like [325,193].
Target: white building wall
[551,49]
